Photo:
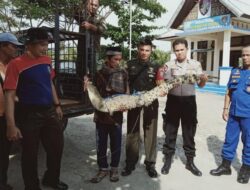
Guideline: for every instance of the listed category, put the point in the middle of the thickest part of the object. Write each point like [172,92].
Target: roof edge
[232,8]
[175,15]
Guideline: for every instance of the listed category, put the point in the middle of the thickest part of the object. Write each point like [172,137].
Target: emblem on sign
[204,6]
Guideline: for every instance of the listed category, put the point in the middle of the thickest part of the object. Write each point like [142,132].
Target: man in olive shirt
[93,26]
[142,75]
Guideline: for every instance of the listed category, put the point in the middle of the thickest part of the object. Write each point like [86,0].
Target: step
[211,91]
[212,88]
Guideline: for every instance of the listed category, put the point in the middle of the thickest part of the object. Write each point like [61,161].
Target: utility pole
[130,28]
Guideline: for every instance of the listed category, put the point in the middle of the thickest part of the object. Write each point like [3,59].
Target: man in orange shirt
[8,48]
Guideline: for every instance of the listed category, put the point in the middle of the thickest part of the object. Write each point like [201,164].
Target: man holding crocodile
[181,105]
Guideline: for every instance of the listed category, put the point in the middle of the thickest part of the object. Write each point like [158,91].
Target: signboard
[211,23]
[204,9]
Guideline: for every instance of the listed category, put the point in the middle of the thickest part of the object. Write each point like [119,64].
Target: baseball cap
[36,35]
[11,38]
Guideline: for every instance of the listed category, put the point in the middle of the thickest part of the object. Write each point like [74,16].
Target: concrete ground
[79,159]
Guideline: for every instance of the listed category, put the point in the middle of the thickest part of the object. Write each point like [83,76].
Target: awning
[170,34]
[181,34]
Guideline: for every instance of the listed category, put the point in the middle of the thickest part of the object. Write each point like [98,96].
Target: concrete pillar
[189,48]
[225,69]
[216,58]
[209,58]
[195,48]
[226,48]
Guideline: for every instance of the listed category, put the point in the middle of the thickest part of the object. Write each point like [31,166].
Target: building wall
[216,9]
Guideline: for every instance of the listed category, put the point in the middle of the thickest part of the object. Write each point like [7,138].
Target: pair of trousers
[235,126]
[40,124]
[115,134]
[149,122]
[184,109]
[5,146]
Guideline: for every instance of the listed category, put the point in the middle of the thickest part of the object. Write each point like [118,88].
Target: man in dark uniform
[142,75]
[236,112]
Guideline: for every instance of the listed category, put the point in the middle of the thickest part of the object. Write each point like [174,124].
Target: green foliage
[144,12]
[160,57]
[18,14]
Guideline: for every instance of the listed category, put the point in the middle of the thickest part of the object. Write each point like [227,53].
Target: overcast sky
[171,6]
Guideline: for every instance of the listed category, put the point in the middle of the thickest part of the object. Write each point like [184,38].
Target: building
[216,30]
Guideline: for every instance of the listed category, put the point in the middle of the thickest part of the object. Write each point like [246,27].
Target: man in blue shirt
[238,120]
[38,112]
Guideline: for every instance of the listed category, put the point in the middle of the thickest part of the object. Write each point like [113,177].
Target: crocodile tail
[95,98]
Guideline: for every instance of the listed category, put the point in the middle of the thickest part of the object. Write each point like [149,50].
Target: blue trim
[225,68]
[212,88]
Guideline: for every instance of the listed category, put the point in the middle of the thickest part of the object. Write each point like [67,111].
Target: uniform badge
[237,71]
[248,89]
[150,69]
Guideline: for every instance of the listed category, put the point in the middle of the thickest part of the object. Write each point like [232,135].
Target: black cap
[36,35]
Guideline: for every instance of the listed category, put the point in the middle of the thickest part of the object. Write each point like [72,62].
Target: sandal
[99,176]
[114,175]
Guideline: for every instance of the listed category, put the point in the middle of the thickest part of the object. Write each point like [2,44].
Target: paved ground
[79,159]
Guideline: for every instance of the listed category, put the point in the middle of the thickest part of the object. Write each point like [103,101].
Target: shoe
[151,171]
[150,167]
[114,175]
[99,176]
[192,168]
[127,171]
[244,174]
[57,186]
[167,165]
[223,169]
[6,187]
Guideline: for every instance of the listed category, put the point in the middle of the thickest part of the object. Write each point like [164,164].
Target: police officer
[181,105]
[236,112]
[142,75]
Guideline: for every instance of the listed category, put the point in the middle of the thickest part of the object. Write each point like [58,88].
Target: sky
[171,6]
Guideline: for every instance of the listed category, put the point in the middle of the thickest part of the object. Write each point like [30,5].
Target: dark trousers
[149,121]
[40,124]
[115,134]
[178,109]
[4,152]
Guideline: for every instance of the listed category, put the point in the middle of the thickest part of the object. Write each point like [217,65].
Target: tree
[160,56]
[18,14]
[144,12]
